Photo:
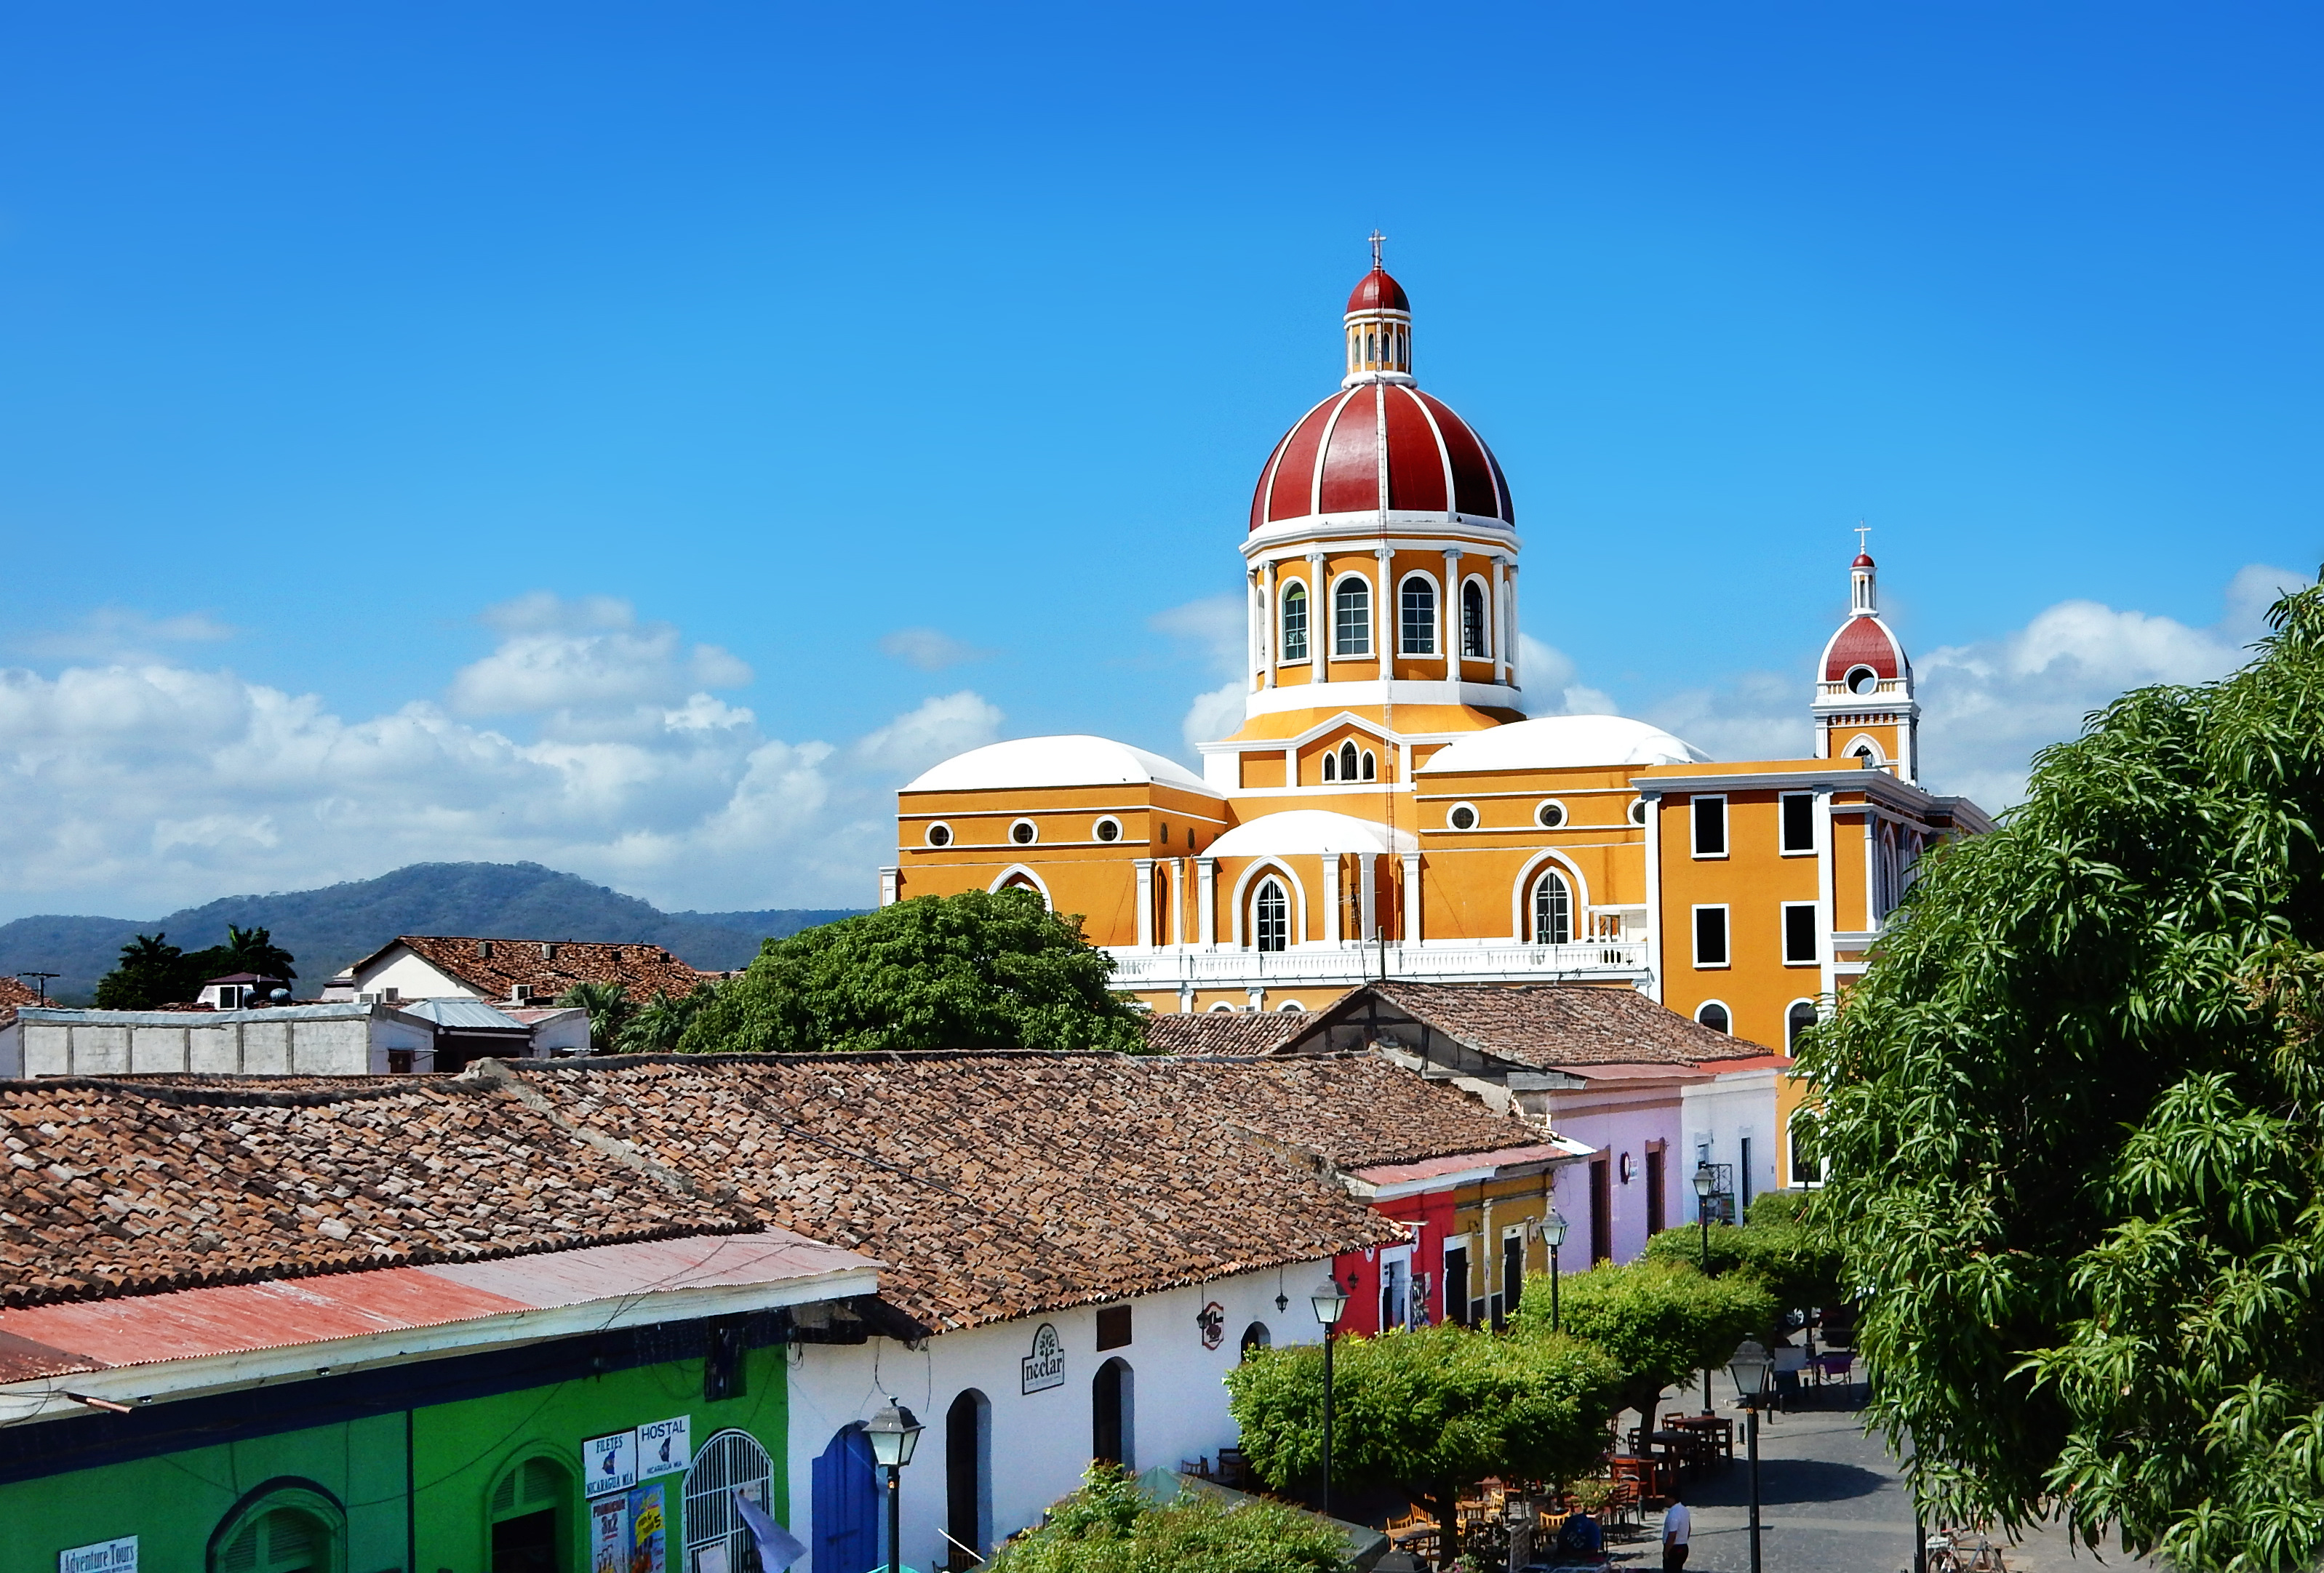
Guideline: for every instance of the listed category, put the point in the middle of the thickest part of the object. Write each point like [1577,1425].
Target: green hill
[333,927]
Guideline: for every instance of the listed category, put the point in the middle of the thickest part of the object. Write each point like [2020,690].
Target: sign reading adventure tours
[1045,1368]
[609,1463]
[107,1557]
[664,1447]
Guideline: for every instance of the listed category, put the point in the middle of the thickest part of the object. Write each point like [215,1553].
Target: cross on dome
[1376,238]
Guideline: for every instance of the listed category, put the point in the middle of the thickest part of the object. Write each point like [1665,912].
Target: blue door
[847,1507]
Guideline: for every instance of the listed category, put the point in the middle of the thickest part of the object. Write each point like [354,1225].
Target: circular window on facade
[1109,829]
[939,834]
[1021,832]
[1637,811]
[1462,817]
[1549,815]
[1862,679]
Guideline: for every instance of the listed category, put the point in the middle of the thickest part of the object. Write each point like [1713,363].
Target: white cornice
[1408,532]
[1367,693]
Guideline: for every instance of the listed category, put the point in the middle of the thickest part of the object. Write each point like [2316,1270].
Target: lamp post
[1751,1366]
[1705,1180]
[1552,1228]
[894,1433]
[1330,1303]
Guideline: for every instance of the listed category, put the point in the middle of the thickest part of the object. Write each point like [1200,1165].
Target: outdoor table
[1712,1431]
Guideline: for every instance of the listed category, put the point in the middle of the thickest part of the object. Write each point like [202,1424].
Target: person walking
[1678,1526]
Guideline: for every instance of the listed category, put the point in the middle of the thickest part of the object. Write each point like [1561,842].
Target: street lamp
[1330,1303]
[1752,1366]
[1706,1180]
[1552,1230]
[894,1433]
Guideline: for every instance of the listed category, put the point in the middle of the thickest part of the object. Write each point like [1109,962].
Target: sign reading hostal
[609,1463]
[664,1446]
[110,1556]
[1045,1368]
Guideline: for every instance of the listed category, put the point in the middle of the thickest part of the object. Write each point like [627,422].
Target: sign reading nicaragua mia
[110,1556]
[609,1463]
[1045,1368]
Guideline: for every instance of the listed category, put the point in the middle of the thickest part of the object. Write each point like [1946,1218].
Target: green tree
[609,1008]
[1776,1245]
[971,972]
[252,950]
[1658,1322]
[147,975]
[1431,1411]
[660,1024]
[1110,1526]
[2070,1116]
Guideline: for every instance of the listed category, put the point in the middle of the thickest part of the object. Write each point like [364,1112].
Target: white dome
[1554,741]
[1308,830]
[1073,760]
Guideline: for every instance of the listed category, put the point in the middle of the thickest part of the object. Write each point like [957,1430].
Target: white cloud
[1552,683]
[136,787]
[124,633]
[1214,628]
[928,648]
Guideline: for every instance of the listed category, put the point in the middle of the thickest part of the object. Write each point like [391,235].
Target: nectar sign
[1045,1368]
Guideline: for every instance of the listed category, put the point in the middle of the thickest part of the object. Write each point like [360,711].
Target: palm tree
[610,1008]
[661,1021]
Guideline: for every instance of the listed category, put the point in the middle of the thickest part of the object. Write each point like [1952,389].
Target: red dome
[1375,291]
[1862,641]
[1863,560]
[1331,462]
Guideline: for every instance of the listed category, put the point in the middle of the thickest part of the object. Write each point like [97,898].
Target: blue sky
[491,431]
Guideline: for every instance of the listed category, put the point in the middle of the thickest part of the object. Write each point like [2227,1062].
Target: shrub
[1110,1526]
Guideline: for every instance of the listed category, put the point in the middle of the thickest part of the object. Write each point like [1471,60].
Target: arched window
[1351,617]
[1419,617]
[1472,620]
[1371,765]
[1553,909]
[1713,1015]
[1797,1020]
[968,1477]
[291,1528]
[1295,622]
[528,1509]
[1254,1337]
[733,1460]
[1331,766]
[1347,761]
[1113,1426]
[1270,916]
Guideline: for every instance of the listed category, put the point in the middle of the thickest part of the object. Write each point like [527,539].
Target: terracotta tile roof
[116,1187]
[1225,1032]
[13,995]
[999,1185]
[549,967]
[1553,1024]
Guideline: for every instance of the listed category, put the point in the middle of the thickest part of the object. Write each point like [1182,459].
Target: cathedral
[1388,809]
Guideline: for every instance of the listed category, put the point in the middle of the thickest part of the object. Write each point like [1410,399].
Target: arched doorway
[1270,915]
[1553,909]
[1113,1414]
[968,1478]
[528,1508]
[846,1488]
[728,1461]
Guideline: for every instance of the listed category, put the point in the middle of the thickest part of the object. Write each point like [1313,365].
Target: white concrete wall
[412,978]
[335,1040]
[1040,1441]
[1722,1113]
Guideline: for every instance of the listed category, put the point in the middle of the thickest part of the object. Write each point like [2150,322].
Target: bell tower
[1865,706]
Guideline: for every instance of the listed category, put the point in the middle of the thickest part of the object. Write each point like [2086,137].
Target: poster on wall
[664,1449]
[649,1531]
[609,1463]
[609,1535]
[106,1557]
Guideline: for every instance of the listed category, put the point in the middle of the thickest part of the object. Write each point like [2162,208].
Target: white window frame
[1814,1011]
[1783,941]
[1476,820]
[1725,1009]
[1282,635]
[928,836]
[1363,627]
[1485,622]
[1097,831]
[1564,817]
[1694,826]
[1436,649]
[1550,870]
[1726,934]
[1782,800]
[1635,813]
[1847,680]
[1031,840]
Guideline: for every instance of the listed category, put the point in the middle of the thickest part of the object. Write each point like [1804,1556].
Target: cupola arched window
[1371,765]
[1295,622]
[1352,618]
[1472,620]
[1331,766]
[1553,909]
[1419,617]
[1270,916]
[1347,761]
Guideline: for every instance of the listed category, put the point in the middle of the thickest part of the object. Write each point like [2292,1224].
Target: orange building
[1386,808]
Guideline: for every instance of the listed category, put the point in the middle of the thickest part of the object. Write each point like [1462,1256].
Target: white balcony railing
[1596,960]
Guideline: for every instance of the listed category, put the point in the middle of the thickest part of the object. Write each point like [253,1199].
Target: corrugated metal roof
[1463,1163]
[472,1015]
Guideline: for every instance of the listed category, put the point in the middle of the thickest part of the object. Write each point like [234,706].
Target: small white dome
[1553,741]
[1073,761]
[1308,830]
